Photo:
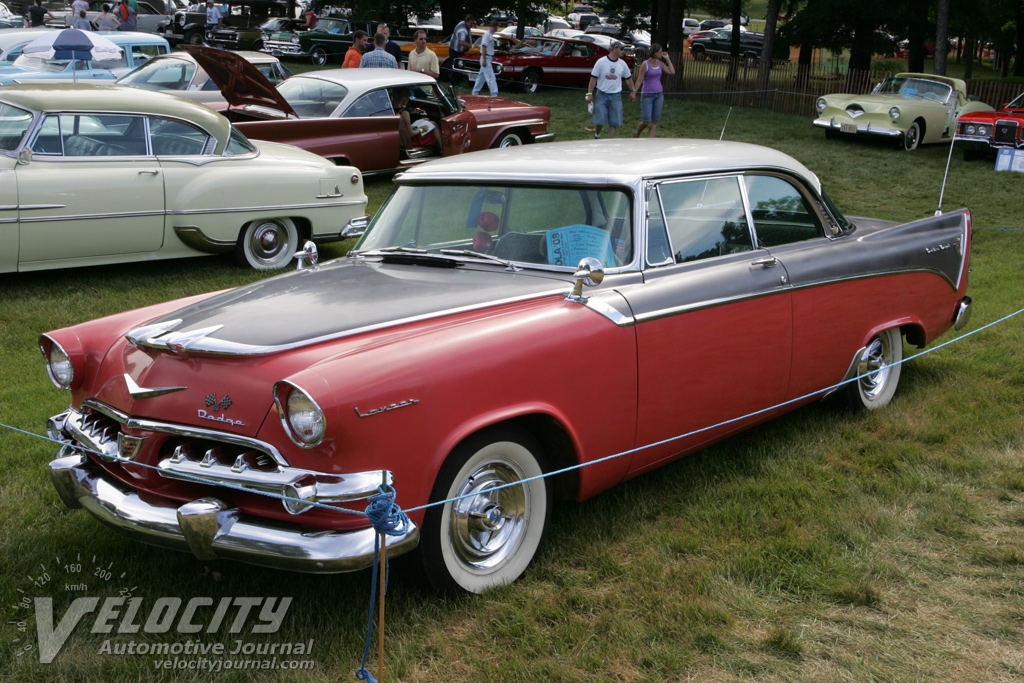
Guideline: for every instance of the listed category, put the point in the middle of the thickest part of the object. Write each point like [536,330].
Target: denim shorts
[650,106]
[607,109]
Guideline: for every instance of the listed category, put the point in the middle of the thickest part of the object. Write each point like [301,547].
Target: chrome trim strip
[192,236]
[139,393]
[711,303]
[887,132]
[221,347]
[280,207]
[36,206]
[89,216]
[181,430]
[523,122]
[601,306]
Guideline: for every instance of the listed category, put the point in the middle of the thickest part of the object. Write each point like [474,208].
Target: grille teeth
[240,464]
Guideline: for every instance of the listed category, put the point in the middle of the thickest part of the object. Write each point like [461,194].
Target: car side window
[14,123]
[118,62]
[704,218]
[376,103]
[175,138]
[781,214]
[143,53]
[91,135]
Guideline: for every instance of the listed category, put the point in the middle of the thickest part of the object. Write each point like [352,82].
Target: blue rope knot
[364,675]
[385,515]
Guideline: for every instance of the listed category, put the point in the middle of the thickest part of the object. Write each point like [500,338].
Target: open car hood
[240,82]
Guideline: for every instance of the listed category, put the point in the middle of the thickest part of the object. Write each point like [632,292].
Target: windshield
[14,122]
[164,74]
[538,45]
[554,226]
[844,222]
[915,87]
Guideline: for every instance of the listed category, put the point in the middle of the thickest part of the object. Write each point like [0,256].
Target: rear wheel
[492,535]
[267,243]
[879,369]
[698,53]
[509,139]
[258,45]
[319,56]
[531,81]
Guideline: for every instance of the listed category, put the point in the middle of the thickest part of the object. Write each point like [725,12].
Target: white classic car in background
[95,174]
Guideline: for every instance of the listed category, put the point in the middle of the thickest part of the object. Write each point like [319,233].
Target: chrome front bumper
[837,126]
[211,528]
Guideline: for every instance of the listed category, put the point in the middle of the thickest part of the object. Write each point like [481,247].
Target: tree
[768,49]
[942,37]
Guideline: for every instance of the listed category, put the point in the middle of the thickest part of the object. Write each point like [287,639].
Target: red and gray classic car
[348,115]
[982,131]
[542,61]
[450,353]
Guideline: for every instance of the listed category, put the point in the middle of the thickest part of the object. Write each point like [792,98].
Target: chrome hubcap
[488,525]
[875,367]
[266,241]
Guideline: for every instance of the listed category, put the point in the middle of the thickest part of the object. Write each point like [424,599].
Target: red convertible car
[455,353]
[348,115]
[542,61]
[980,132]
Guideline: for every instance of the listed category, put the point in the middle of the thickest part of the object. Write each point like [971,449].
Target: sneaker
[597,136]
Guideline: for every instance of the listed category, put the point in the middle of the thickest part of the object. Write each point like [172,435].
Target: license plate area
[848,127]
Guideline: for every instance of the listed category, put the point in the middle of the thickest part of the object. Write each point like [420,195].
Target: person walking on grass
[605,90]
[486,74]
[653,94]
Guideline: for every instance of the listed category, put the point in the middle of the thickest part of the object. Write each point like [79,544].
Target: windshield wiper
[405,250]
[509,265]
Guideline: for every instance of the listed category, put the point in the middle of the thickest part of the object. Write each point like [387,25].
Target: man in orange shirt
[355,53]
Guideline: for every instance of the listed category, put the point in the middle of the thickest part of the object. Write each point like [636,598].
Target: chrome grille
[283,46]
[209,453]
[94,430]
[1006,132]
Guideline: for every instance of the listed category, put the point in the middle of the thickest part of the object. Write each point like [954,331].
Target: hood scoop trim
[162,336]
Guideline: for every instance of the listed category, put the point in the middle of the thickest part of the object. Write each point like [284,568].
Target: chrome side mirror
[308,253]
[589,272]
[24,156]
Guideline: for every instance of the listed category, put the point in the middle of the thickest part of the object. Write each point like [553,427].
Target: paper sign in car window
[568,245]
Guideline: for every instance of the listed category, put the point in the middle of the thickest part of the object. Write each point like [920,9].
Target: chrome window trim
[41,116]
[181,430]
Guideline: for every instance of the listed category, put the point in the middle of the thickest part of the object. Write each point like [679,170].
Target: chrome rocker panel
[213,529]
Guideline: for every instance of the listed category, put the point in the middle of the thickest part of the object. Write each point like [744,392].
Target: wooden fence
[792,89]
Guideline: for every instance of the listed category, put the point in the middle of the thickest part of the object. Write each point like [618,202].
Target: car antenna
[942,192]
[725,124]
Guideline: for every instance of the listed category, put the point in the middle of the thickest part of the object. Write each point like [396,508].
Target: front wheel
[267,244]
[698,54]
[912,138]
[196,38]
[319,56]
[531,81]
[879,370]
[492,535]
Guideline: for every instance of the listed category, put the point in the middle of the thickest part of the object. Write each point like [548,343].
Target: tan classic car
[94,175]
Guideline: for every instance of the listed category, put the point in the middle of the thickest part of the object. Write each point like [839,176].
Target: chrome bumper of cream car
[837,126]
[212,529]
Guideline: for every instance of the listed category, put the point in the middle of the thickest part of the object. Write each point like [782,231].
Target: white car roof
[366,79]
[608,161]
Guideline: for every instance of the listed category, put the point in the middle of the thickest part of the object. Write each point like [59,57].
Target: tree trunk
[941,37]
[734,52]
[915,42]
[660,18]
[863,43]
[969,51]
[1018,65]
[674,28]
[803,67]
[764,69]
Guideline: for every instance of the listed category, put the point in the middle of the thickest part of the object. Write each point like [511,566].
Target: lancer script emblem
[211,402]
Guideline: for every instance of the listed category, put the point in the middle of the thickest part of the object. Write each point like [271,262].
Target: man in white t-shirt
[486,74]
[605,90]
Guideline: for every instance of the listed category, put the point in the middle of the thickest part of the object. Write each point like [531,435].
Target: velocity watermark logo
[131,622]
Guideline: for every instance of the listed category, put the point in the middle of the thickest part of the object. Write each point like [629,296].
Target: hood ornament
[139,393]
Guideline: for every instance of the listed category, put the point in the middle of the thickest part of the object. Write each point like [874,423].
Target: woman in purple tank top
[653,95]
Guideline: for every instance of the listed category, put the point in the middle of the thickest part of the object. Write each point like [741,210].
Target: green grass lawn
[822,546]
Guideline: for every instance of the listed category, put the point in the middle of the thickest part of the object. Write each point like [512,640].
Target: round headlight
[821,104]
[58,364]
[970,130]
[894,113]
[295,39]
[305,419]
[982,130]
[181,19]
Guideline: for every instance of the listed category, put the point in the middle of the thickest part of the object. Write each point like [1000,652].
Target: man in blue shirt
[378,57]
[461,42]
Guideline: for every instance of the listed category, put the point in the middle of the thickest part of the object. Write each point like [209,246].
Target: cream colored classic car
[95,175]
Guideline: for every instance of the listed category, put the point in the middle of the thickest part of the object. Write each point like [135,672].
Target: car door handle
[767,262]
[153,172]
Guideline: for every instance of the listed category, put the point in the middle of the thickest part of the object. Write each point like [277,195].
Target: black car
[719,45]
[239,26]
